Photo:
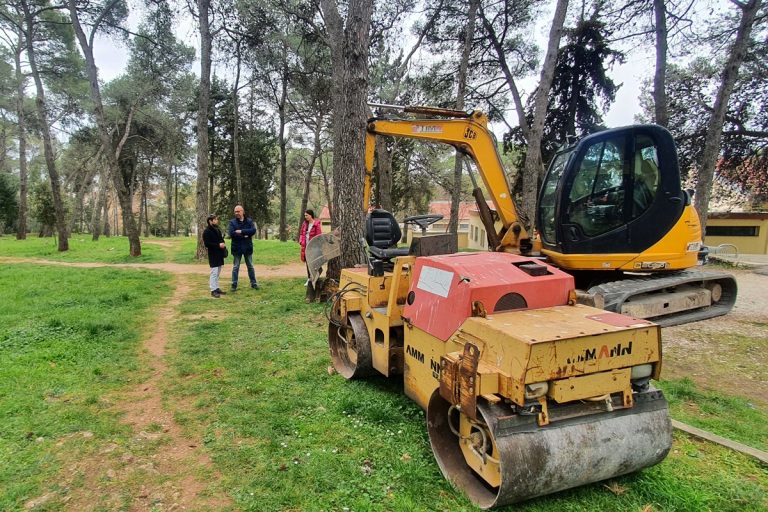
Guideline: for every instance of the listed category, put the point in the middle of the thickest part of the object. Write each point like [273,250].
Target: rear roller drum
[497,460]
[350,347]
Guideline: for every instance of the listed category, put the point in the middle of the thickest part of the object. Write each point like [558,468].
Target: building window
[733,231]
[482,238]
[463,227]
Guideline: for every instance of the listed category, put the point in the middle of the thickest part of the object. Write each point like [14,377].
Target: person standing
[241,231]
[310,228]
[217,251]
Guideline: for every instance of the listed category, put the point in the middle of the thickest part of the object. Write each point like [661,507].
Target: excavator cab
[614,192]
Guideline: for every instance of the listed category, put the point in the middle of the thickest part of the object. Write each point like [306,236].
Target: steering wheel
[422,220]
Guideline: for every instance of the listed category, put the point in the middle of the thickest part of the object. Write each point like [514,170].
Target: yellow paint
[744,244]
[589,386]
[672,249]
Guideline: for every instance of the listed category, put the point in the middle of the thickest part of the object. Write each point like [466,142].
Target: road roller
[526,392]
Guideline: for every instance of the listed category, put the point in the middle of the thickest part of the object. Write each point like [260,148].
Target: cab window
[547,201]
[599,188]
[645,175]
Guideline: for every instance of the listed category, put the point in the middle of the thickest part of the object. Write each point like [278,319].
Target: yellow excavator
[527,389]
[611,212]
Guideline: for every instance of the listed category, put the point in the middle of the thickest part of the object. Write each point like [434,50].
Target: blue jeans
[236,268]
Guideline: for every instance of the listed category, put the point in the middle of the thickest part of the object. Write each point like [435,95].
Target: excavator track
[669,299]
[525,460]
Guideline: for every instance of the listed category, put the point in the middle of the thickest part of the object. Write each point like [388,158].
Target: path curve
[293,269]
[166,462]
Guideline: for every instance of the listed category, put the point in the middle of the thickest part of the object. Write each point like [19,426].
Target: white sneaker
[307,283]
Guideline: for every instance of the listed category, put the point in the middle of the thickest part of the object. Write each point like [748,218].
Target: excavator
[530,384]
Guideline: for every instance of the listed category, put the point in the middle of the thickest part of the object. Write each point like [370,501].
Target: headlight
[536,390]
[641,371]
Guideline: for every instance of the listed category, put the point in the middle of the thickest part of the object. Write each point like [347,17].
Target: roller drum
[535,461]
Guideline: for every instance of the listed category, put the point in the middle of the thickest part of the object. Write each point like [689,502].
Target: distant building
[471,232]
[747,231]
[325,219]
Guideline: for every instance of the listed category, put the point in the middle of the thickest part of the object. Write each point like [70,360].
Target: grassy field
[289,436]
[248,377]
[68,337]
[266,252]
[153,250]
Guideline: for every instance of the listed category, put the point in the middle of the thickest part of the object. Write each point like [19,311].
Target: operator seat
[382,233]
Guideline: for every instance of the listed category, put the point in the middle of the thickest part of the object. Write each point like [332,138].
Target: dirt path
[160,469]
[293,269]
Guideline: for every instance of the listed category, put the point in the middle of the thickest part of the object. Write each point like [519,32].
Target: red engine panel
[444,288]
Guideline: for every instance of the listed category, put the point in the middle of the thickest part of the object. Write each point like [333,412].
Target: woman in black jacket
[217,251]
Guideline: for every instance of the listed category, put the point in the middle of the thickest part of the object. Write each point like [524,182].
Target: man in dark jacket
[241,231]
[214,242]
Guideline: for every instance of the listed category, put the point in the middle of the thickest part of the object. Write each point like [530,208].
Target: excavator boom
[468,133]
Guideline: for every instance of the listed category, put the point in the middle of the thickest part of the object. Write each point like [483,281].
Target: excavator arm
[467,132]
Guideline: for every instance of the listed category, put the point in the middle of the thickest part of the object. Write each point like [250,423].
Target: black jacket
[212,237]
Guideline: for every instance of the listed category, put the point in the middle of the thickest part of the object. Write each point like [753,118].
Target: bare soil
[728,353]
[161,468]
[293,269]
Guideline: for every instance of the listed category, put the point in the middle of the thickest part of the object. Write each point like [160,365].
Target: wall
[754,228]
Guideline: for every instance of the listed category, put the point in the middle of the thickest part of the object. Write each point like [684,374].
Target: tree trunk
[111,154]
[80,191]
[45,132]
[236,129]
[661,112]
[349,58]
[169,199]
[469,34]
[711,150]
[212,157]
[202,125]
[176,202]
[281,106]
[101,205]
[326,186]
[21,232]
[308,177]
[534,169]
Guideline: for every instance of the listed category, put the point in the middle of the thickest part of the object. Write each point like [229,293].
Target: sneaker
[233,289]
[255,286]
[221,292]
[215,294]
[306,283]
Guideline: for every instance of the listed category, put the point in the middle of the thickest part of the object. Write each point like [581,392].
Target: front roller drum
[350,346]
[496,462]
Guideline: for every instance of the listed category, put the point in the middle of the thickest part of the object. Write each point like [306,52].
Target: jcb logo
[469,133]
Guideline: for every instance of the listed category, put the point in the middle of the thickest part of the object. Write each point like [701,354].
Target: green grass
[115,250]
[286,435]
[265,252]
[81,249]
[67,338]
[731,417]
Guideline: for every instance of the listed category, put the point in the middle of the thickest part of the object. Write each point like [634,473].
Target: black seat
[382,233]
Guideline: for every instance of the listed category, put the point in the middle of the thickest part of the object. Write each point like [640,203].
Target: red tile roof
[444,208]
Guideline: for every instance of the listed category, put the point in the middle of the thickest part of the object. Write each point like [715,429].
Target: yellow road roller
[526,392]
